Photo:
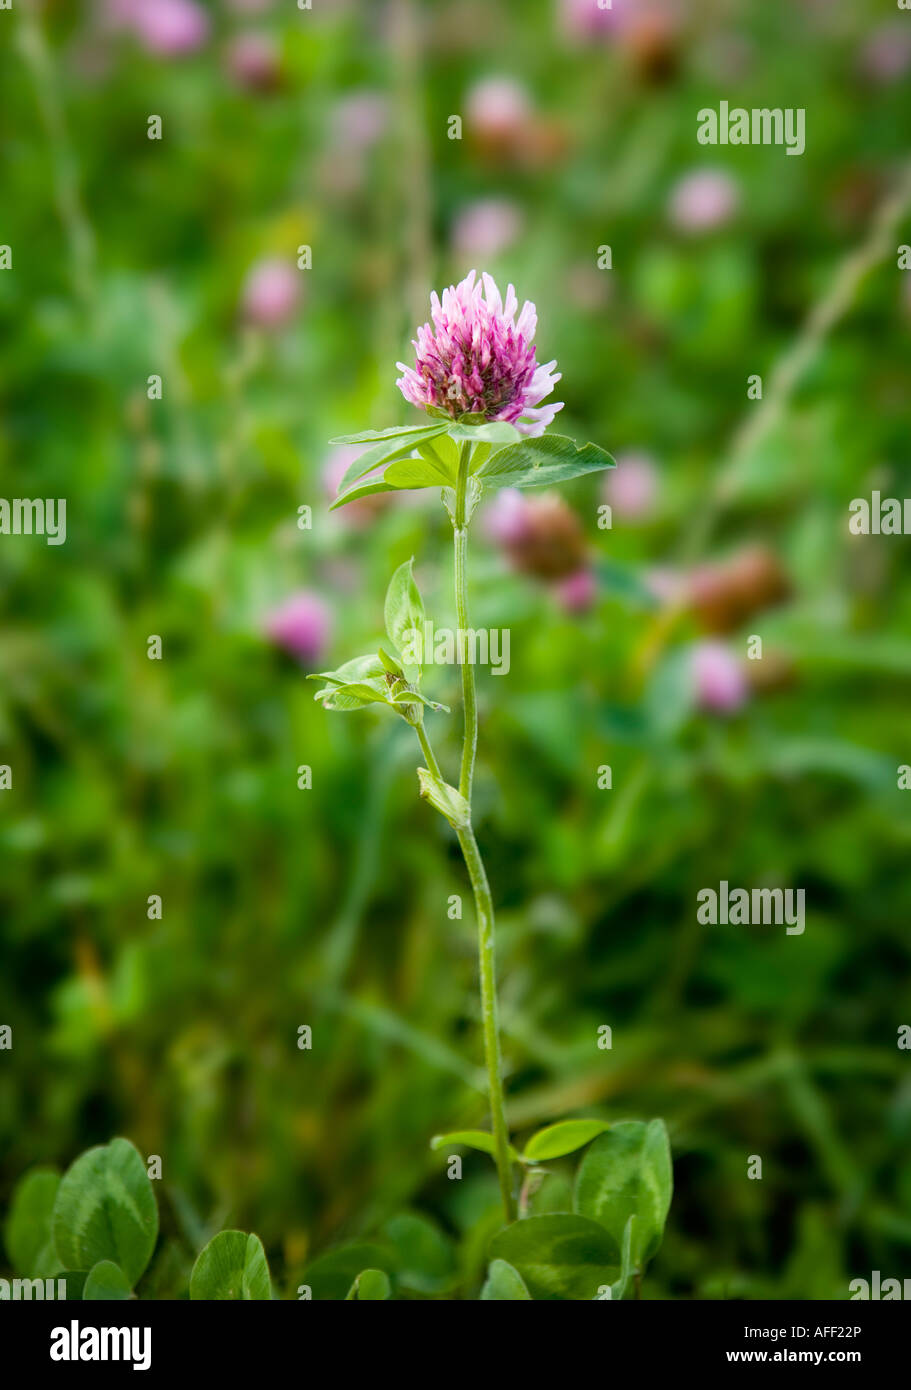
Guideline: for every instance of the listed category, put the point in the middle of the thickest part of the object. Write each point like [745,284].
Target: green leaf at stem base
[232,1266]
[105,1209]
[559,1257]
[504,1284]
[471,1139]
[627,1172]
[564,1138]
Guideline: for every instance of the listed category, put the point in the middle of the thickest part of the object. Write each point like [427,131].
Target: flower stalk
[473,861]
[469,698]
[477,378]
[472,856]
[490,1015]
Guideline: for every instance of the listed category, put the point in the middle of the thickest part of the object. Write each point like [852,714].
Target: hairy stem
[471,853]
[432,764]
[489,1013]
[469,700]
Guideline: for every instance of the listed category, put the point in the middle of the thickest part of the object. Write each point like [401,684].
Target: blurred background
[178,257]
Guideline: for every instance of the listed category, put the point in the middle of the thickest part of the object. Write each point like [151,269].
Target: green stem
[489,1014]
[469,700]
[432,764]
[472,855]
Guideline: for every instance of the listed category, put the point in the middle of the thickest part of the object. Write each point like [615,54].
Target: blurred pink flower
[167,28]
[703,201]
[301,626]
[631,489]
[498,107]
[336,465]
[358,120]
[648,31]
[356,123]
[271,293]
[478,358]
[719,678]
[337,462]
[252,60]
[506,519]
[578,591]
[886,56]
[485,228]
[587,18]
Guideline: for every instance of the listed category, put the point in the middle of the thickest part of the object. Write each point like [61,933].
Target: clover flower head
[478,358]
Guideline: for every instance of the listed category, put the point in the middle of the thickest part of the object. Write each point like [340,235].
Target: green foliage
[542,462]
[396,447]
[491,432]
[627,1265]
[418,473]
[371,488]
[232,1266]
[96,1228]
[27,1232]
[105,1210]
[371,1285]
[332,1275]
[425,1255]
[106,1281]
[329,907]
[559,1257]
[444,798]
[384,679]
[469,1138]
[619,1208]
[627,1173]
[403,612]
[563,1138]
[407,432]
[548,1192]
[504,1284]
[500,457]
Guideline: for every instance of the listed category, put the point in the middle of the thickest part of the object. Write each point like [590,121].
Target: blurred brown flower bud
[252,61]
[547,540]
[723,595]
[653,42]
